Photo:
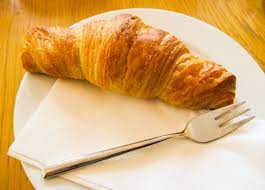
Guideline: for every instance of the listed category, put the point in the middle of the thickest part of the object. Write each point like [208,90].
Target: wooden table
[243,20]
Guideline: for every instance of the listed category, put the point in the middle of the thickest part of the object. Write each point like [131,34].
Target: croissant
[124,55]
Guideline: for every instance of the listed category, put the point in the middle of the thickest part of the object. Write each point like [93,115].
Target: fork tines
[228,114]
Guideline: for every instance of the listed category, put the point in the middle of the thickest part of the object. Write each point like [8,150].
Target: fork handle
[67,165]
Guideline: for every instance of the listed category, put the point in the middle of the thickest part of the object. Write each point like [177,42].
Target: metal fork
[203,128]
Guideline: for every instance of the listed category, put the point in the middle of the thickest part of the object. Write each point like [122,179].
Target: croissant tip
[28,63]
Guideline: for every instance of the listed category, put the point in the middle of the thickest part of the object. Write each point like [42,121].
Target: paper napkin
[77,118]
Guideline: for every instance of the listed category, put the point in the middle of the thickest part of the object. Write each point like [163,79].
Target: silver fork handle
[67,165]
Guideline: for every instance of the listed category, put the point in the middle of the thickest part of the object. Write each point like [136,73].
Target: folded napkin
[77,118]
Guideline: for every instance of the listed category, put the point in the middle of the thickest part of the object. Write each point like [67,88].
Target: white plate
[200,37]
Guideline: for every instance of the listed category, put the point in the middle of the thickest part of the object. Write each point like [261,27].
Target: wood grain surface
[243,20]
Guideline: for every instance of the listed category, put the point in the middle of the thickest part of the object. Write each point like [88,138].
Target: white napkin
[77,118]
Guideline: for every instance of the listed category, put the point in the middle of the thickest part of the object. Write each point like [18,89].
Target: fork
[203,128]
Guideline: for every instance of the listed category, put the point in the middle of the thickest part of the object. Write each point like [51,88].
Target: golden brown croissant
[126,56]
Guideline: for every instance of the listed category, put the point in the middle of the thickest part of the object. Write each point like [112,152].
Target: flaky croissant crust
[124,55]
